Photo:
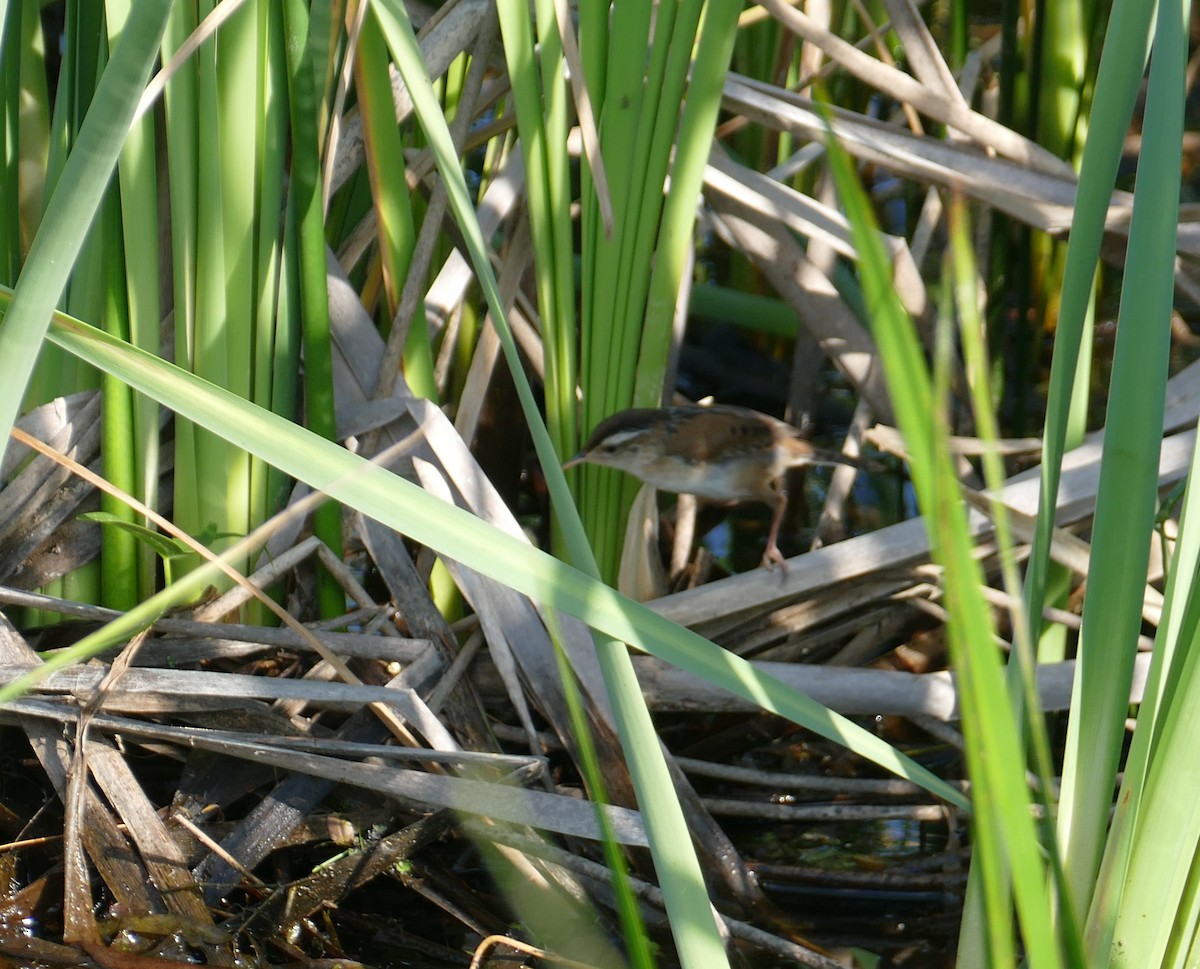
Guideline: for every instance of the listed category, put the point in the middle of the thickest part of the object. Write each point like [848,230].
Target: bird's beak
[574,462]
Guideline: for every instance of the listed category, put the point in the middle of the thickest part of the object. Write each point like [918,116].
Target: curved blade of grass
[459,535]
[1117,84]
[1155,912]
[1152,743]
[1128,489]
[76,197]
[1023,664]
[1005,839]
[401,505]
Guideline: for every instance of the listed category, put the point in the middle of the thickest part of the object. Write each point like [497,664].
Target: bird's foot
[772,557]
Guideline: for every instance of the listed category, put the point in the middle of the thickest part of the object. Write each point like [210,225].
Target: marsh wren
[720,453]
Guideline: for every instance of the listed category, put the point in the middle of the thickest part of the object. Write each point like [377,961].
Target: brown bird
[721,453]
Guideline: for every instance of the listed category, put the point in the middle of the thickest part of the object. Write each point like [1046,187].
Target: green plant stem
[306,70]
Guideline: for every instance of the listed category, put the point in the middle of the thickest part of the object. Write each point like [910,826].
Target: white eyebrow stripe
[620,437]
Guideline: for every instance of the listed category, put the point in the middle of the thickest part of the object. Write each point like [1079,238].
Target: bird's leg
[771,555]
